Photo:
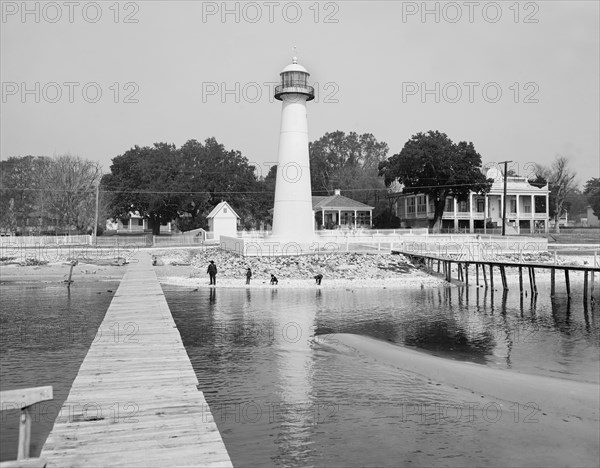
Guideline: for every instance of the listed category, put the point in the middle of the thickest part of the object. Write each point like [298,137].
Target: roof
[219,207]
[294,66]
[338,202]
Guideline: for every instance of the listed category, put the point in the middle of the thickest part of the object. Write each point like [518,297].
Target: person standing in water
[248,275]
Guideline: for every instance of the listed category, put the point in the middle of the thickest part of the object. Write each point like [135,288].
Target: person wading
[212,272]
[248,275]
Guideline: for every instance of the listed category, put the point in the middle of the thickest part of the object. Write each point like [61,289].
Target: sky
[520,80]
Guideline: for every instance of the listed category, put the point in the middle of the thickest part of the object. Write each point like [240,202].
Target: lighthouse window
[294,79]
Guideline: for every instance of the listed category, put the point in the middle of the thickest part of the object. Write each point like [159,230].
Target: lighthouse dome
[294,67]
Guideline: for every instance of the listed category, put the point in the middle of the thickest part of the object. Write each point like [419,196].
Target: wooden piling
[484,275]
[552,281]
[585,287]
[491,276]
[534,282]
[503,276]
[467,273]
[521,280]
[529,269]
[568,283]
[477,274]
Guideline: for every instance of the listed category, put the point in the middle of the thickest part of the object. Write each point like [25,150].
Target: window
[224,210]
[513,206]
[463,207]
[411,205]
[421,204]
[480,205]
[140,222]
[449,207]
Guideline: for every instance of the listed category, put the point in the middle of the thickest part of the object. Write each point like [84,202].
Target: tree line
[164,183]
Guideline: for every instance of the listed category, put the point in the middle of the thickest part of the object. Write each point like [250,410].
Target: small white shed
[222,220]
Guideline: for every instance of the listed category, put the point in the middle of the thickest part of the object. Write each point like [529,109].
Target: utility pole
[504,199]
[96,217]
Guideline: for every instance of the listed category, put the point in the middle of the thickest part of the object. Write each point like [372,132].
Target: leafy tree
[163,182]
[217,174]
[348,162]
[575,203]
[592,191]
[430,163]
[149,181]
[21,192]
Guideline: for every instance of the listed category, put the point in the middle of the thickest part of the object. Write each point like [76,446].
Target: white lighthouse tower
[293,217]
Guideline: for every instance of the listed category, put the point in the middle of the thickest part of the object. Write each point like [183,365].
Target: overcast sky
[519,80]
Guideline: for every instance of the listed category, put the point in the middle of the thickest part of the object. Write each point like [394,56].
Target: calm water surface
[282,398]
[45,333]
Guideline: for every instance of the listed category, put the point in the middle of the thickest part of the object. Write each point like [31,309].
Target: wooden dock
[444,266]
[135,400]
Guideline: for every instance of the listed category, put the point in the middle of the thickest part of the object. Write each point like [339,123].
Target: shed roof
[217,209]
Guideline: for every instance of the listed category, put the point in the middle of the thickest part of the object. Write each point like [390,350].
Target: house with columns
[338,211]
[526,209]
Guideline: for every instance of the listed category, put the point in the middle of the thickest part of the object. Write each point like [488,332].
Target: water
[45,333]
[282,398]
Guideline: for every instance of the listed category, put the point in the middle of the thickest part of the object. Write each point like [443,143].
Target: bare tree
[562,183]
[70,192]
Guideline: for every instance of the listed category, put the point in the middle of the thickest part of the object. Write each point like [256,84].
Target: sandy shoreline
[187,268]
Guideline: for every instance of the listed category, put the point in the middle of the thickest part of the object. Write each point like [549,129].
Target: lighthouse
[293,218]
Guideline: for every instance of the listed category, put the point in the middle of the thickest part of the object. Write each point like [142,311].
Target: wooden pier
[135,400]
[462,272]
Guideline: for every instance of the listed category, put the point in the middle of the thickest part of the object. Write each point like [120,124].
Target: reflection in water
[45,332]
[279,398]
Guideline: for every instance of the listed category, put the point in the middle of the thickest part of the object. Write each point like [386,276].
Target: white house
[338,210]
[526,209]
[134,223]
[223,221]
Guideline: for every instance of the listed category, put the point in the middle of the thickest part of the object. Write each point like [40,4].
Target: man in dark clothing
[248,275]
[274,279]
[318,278]
[212,272]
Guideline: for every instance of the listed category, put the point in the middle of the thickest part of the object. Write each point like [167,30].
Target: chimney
[337,191]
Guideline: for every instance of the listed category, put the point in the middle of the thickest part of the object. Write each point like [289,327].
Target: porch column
[485,212]
[129,225]
[471,223]
[547,212]
[370,218]
[405,208]
[339,220]
[354,219]
[518,214]
[455,214]
[322,218]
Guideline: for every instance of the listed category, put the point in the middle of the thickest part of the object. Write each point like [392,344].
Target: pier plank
[135,400]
